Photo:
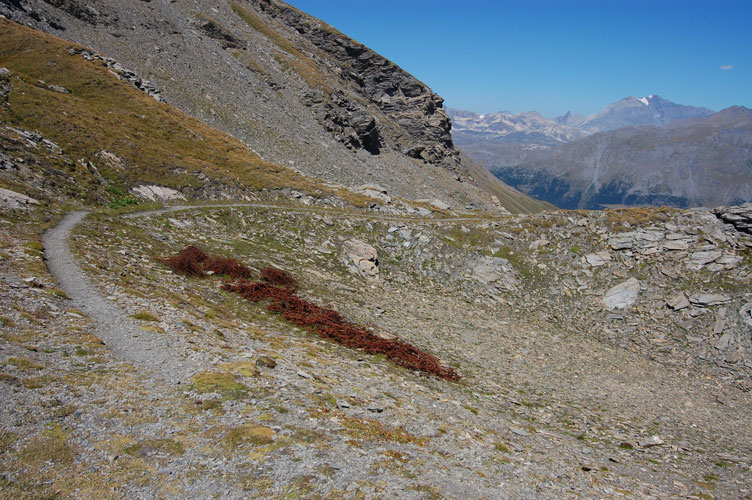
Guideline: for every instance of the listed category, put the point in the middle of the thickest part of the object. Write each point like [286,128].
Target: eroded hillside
[297,91]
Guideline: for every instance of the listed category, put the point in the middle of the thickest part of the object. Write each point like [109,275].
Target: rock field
[603,355]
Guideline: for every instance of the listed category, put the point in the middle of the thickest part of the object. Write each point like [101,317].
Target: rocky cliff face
[294,89]
[399,95]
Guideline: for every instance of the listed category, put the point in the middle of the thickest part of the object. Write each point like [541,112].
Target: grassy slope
[158,143]
[513,200]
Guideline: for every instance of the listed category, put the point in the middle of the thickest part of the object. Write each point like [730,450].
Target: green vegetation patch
[52,446]
[248,434]
[224,384]
[153,446]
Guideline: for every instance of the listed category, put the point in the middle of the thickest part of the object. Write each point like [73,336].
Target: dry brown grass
[293,57]
[637,216]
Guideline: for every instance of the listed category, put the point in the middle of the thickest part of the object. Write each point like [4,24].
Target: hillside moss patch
[224,384]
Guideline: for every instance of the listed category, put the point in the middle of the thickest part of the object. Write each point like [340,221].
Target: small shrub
[123,202]
[278,277]
[115,190]
[227,267]
[188,261]
[193,261]
[145,316]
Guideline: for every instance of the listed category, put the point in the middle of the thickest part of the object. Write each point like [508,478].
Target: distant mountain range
[645,150]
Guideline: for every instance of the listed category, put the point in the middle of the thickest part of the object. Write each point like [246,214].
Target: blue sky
[555,56]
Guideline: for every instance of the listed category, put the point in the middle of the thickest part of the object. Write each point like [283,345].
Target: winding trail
[149,351]
[316,210]
[155,353]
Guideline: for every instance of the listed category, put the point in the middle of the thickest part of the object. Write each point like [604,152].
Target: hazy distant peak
[638,111]
[569,118]
[644,100]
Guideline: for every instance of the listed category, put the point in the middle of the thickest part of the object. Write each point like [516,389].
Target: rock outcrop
[12,199]
[401,97]
[740,216]
[361,258]
[622,295]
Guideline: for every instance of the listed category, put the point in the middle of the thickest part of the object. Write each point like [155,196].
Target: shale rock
[622,295]
[740,216]
[154,193]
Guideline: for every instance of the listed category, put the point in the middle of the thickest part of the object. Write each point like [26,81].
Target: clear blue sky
[555,56]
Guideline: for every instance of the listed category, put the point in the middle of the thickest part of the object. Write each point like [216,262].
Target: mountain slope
[504,139]
[107,134]
[705,162]
[294,89]
[600,353]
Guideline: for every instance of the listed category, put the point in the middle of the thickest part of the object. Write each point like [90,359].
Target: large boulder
[13,199]
[361,258]
[154,193]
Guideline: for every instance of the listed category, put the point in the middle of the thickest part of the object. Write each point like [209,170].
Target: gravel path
[147,350]
[315,210]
